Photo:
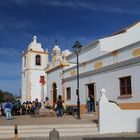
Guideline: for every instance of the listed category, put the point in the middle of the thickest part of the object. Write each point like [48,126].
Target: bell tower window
[38,60]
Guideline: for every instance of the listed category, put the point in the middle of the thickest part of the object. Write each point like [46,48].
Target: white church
[112,63]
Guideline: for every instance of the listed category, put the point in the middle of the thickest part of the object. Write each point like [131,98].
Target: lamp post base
[78,111]
[78,105]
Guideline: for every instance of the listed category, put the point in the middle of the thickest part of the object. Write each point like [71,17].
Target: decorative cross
[42,80]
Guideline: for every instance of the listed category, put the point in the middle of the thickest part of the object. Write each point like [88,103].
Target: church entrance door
[54,93]
[91,94]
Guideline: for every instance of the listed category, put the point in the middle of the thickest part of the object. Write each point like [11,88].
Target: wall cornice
[32,51]
[61,65]
[105,55]
[120,65]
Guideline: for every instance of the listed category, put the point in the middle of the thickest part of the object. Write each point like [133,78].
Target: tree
[5,95]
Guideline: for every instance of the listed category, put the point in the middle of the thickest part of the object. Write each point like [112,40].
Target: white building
[34,60]
[112,63]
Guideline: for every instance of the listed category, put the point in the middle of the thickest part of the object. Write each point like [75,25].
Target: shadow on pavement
[95,121]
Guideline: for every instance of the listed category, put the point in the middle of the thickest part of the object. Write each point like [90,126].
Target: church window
[38,60]
[68,92]
[125,86]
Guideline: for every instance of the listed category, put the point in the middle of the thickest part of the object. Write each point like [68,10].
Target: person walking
[8,110]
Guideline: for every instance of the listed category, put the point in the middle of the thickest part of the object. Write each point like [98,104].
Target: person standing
[8,110]
[59,106]
[91,103]
[37,106]
[47,103]
[88,105]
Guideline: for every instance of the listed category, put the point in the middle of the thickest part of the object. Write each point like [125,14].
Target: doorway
[91,95]
[54,93]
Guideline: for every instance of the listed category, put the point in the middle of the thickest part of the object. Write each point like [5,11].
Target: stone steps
[44,130]
[7,132]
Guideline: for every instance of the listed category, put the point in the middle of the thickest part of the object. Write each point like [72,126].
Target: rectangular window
[68,92]
[125,86]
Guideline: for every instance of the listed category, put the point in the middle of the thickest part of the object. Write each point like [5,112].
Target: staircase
[6,132]
[44,130]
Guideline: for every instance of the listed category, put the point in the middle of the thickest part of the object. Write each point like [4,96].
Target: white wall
[121,40]
[109,79]
[88,52]
[54,77]
[114,120]
[35,84]
[73,85]
[24,86]
[108,76]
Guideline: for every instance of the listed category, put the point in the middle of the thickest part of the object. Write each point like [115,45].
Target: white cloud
[87,4]
[92,5]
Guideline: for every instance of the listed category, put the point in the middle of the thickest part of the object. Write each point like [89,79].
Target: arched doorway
[54,93]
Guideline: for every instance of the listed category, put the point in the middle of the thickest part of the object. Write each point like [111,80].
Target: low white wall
[114,120]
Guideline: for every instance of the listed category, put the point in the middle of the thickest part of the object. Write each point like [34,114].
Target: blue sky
[63,20]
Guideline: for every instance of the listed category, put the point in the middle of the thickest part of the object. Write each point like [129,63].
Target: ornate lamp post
[77,48]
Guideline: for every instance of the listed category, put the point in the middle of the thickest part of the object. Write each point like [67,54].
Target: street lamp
[77,48]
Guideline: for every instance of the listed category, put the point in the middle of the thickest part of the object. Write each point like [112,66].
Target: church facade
[112,63]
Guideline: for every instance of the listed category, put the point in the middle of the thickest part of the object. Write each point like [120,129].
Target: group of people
[58,107]
[16,108]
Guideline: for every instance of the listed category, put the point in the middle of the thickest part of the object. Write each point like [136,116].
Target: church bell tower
[34,61]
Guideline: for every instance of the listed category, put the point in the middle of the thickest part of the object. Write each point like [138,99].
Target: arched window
[38,60]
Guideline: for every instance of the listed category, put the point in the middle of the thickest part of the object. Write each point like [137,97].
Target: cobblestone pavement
[66,119]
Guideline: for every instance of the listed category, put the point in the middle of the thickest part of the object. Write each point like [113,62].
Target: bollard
[54,135]
[16,132]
